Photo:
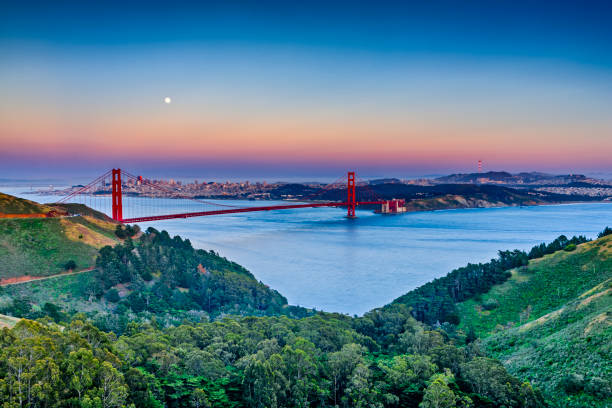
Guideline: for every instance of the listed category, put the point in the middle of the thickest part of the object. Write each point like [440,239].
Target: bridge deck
[242,210]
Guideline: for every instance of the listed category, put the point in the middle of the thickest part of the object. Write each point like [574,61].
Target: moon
[167,99]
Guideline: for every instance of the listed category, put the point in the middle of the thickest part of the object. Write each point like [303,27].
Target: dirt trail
[27,278]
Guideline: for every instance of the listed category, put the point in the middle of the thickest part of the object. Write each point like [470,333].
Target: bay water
[318,258]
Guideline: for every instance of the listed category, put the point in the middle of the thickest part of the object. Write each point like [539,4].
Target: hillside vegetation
[12,205]
[160,295]
[436,301]
[44,246]
[154,275]
[551,323]
[254,362]
[160,323]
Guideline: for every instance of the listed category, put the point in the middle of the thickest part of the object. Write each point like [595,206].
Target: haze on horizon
[263,89]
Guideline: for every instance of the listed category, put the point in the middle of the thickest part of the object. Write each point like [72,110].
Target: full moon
[167,99]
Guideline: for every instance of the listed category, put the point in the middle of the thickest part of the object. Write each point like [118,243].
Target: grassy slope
[8,321]
[42,246]
[69,292]
[13,205]
[552,319]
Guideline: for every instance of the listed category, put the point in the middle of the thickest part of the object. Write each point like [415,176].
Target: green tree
[341,366]
[199,399]
[360,392]
[300,371]
[83,368]
[113,389]
[438,394]
[489,378]
[112,295]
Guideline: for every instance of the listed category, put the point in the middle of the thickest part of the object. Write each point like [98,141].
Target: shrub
[146,276]
[53,311]
[21,307]
[573,383]
[570,247]
[490,304]
[453,318]
[124,231]
[112,295]
[120,232]
[599,387]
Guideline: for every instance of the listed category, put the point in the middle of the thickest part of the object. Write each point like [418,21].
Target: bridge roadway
[243,210]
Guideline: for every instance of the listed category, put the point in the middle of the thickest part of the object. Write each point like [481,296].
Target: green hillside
[13,205]
[43,246]
[551,324]
[152,275]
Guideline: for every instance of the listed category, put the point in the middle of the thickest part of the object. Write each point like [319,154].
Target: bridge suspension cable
[128,198]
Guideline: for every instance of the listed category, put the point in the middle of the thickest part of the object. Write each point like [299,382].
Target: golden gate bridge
[131,208]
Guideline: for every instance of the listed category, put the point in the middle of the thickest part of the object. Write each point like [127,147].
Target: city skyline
[271,89]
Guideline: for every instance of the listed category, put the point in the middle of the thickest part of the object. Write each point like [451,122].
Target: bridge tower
[116,195]
[351,201]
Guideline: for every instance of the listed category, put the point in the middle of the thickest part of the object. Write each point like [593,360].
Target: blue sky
[306,88]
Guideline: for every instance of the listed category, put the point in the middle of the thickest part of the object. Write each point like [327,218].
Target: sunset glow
[273,93]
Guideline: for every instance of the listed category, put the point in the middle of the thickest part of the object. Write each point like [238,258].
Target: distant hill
[473,177]
[450,196]
[385,181]
[503,177]
[40,246]
[551,323]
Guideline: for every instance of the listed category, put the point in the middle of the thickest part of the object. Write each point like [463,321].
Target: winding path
[26,278]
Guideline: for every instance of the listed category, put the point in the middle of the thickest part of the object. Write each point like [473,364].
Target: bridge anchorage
[129,205]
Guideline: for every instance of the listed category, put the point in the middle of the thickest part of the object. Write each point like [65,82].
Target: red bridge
[97,195]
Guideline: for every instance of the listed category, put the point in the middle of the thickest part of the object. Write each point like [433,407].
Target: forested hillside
[264,362]
[159,295]
[160,323]
[154,275]
[435,302]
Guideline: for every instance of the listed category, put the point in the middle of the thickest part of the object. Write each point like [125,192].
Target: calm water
[317,258]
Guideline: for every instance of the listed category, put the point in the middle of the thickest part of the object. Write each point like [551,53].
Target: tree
[202,363]
[489,378]
[262,381]
[198,399]
[405,375]
[112,295]
[447,356]
[471,335]
[21,307]
[438,394]
[83,368]
[140,393]
[120,232]
[300,371]
[341,365]
[70,265]
[359,390]
[113,389]
[606,231]
[53,311]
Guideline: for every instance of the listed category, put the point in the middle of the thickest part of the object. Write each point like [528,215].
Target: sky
[306,90]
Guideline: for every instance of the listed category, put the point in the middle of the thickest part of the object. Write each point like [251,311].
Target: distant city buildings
[571,185]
